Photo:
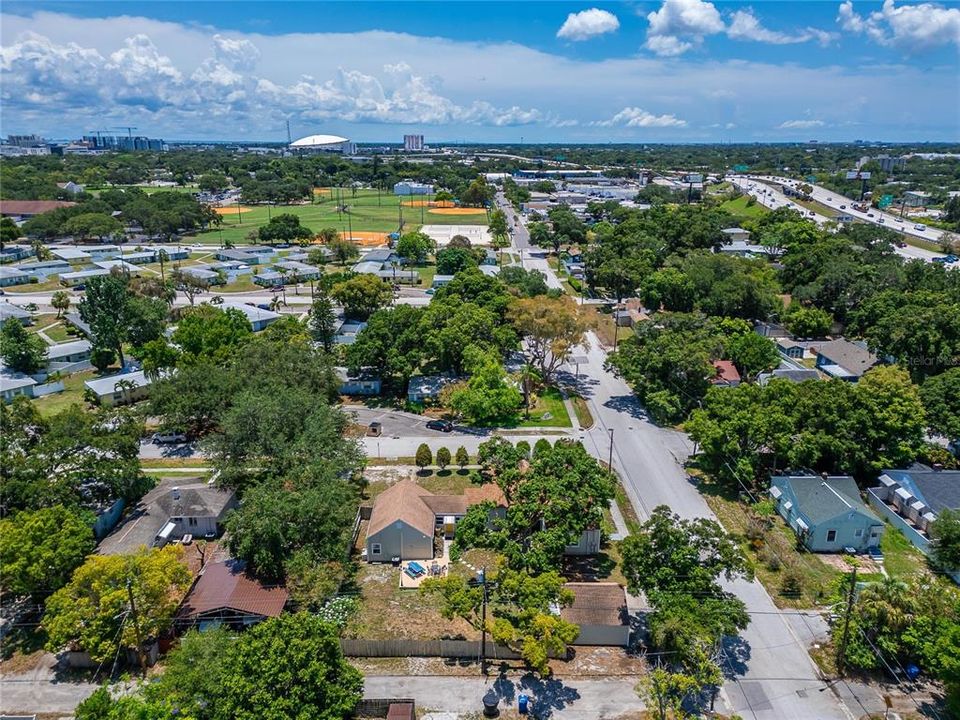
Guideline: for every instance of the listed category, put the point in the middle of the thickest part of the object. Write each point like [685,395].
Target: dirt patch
[457,211]
[232,209]
[322,191]
[366,237]
[865,564]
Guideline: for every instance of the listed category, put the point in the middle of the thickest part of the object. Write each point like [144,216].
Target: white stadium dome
[318,141]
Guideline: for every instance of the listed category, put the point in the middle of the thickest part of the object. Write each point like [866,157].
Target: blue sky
[658,71]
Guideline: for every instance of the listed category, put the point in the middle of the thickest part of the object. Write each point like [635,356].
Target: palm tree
[283,275]
[275,303]
[125,388]
[162,257]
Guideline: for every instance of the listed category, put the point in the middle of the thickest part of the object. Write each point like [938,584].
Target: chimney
[175,493]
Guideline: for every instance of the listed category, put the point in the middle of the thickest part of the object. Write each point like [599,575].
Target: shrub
[792,583]
[541,445]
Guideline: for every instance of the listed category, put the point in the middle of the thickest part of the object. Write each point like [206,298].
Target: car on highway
[277,288]
[168,438]
[919,228]
[430,291]
[843,207]
[441,425]
[881,221]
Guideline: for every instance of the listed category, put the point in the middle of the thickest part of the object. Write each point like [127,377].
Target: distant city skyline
[668,71]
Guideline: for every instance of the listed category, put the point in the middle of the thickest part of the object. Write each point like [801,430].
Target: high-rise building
[412,143]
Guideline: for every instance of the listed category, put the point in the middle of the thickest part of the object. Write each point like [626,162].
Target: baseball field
[368,214]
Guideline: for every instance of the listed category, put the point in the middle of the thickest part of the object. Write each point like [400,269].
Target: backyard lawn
[72,393]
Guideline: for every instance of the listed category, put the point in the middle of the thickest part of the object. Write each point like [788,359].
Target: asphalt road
[770,675]
[834,200]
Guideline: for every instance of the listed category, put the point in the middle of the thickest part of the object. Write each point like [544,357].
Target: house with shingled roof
[225,594]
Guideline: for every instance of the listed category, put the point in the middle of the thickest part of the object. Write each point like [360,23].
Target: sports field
[367,213]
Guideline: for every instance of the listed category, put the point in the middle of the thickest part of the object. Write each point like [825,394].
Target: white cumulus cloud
[800,124]
[638,117]
[909,27]
[680,25]
[587,24]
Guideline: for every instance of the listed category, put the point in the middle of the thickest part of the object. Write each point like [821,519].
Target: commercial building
[123,143]
[413,143]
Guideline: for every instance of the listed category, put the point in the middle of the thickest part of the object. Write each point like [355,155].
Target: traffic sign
[741,168]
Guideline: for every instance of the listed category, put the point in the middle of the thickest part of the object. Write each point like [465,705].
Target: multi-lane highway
[766,188]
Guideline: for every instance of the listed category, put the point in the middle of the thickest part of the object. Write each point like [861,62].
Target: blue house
[826,512]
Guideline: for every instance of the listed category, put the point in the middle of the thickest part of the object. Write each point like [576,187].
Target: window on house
[376,549]
[192,521]
[831,535]
[859,532]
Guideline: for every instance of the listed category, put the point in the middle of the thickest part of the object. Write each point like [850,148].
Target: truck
[862,207]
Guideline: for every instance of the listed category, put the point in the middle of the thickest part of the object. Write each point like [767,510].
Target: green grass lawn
[148,189]
[72,394]
[427,273]
[59,334]
[900,558]
[53,283]
[368,212]
[739,208]
[243,283]
[549,401]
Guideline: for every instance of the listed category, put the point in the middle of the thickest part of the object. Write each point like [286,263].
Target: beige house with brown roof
[405,517]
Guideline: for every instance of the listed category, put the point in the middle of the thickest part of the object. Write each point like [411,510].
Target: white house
[120,389]
[258,317]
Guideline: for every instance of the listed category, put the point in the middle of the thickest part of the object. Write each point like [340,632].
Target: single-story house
[790,348]
[76,321]
[381,255]
[302,271]
[600,610]
[14,276]
[23,209]
[69,352]
[736,233]
[405,517]
[912,498]
[9,311]
[203,274]
[261,251]
[41,269]
[368,267]
[70,254]
[440,280]
[141,256]
[103,252]
[258,317]
[12,385]
[727,374]
[366,383]
[225,594]
[826,512]
[402,277]
[241,256]
[746,249]
[791,374]
[12,253]
[845,359]
[81,276]
[347,332]
[122,264]
[269,278]
[490,257]
[422,388]
[490,270]
[109,391]
[174,508]
[172,253]
[71,187]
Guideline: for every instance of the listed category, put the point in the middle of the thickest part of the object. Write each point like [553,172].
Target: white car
[920,228]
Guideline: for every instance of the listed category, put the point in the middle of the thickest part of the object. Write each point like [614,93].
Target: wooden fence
[379,707]
[461,649]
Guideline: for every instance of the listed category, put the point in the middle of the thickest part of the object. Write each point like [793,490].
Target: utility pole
[136,628]
[483,636]
[610,460]
[842,651]
[616,325]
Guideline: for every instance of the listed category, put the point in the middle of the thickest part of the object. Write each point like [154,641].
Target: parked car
[277,288]
[80,286]
[843,207]
[168,438]
[441,425]
[881,221]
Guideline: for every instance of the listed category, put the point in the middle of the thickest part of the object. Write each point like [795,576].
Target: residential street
[771,675]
